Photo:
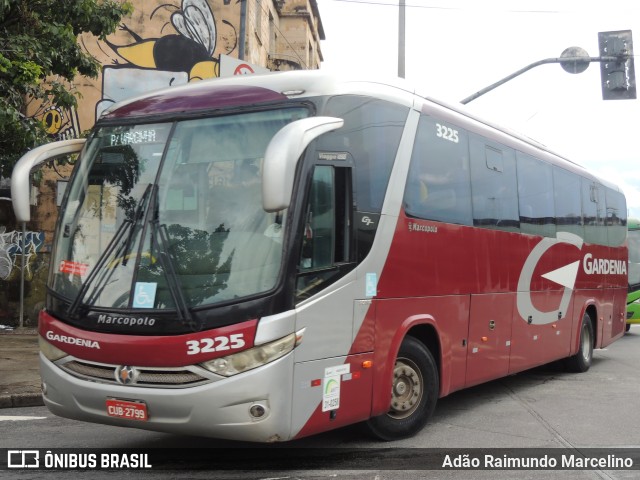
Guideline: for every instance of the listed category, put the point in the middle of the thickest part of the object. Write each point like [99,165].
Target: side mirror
[31,159]
[282,155]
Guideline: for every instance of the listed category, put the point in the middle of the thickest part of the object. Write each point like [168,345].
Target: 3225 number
[446,133]
[217,344]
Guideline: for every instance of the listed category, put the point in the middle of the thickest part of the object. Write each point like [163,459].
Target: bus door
[330,388]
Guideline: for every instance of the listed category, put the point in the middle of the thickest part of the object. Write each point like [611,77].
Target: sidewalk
[19,369]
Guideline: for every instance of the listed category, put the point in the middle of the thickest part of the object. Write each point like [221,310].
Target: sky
[454,48]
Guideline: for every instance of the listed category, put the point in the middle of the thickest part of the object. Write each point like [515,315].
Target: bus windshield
[169,215]
[634,255]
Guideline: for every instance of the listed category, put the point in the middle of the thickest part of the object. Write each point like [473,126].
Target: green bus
[633,298]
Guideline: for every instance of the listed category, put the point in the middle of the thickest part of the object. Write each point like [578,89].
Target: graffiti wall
[12,250]
[35,270]
[163,43]
[36,251]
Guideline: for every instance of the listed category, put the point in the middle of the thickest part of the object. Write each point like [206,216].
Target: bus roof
[252,89]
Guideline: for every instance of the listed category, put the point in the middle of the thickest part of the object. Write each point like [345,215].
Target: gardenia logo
[81,342]
[603,266]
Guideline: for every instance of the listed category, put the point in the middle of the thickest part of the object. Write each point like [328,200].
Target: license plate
[126,409]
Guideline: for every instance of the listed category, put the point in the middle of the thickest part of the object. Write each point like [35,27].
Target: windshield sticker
[144,295]
[73,268]
[371,285]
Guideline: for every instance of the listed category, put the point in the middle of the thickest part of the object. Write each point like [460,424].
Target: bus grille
[144,376]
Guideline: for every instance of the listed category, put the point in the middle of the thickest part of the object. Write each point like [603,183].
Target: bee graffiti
[190,50]
[180,51]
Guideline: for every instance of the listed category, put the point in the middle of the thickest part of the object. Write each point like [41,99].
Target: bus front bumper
[220,409]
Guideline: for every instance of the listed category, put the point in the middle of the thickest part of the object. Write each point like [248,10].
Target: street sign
[230,66]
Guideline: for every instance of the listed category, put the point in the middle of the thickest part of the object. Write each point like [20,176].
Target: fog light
[257,410]
[43,386]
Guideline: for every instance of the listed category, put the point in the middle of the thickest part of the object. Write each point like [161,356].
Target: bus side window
[494,185]
[439,184]
[568,202]
[326,238]
[319,227]
[616,217]
[371,134]
[594,212]
[536,196]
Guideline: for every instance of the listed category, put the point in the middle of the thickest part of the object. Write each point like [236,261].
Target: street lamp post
[617,67]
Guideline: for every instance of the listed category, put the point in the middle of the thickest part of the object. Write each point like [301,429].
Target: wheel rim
[586,344]
[407,389]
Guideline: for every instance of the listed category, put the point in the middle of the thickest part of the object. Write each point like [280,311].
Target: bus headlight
[252,358]
[52,352]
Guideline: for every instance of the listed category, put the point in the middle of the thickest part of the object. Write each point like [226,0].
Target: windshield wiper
[119,249]
[128,225]
[101,261]
[173,283]
[137,215]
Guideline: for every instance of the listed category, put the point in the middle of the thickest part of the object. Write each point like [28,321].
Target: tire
[627,328]
[581,361]
[414,392]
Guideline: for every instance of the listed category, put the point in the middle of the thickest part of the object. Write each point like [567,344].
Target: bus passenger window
[535,192]
[616,217]
[567,200]
[438,185]
[593,210]
[494,185]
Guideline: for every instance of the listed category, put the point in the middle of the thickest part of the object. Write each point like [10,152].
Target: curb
[21,400]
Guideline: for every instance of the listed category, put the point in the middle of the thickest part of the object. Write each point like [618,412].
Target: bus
[269,257]
[633,297]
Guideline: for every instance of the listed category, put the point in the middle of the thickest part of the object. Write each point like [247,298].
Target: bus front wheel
[581,361]
[414,392]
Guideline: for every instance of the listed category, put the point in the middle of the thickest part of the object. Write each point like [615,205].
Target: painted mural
[60,123]
[183,51]
[189,51]
[11,253]
[163,43]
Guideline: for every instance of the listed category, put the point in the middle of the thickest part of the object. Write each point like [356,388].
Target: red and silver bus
[268,257]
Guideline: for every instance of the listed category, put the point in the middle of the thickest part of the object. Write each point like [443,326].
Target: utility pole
[401,37]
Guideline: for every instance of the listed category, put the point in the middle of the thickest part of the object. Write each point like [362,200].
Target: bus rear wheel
[414,392]
[581,361]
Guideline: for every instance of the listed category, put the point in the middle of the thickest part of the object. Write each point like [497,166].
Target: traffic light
[617,75]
